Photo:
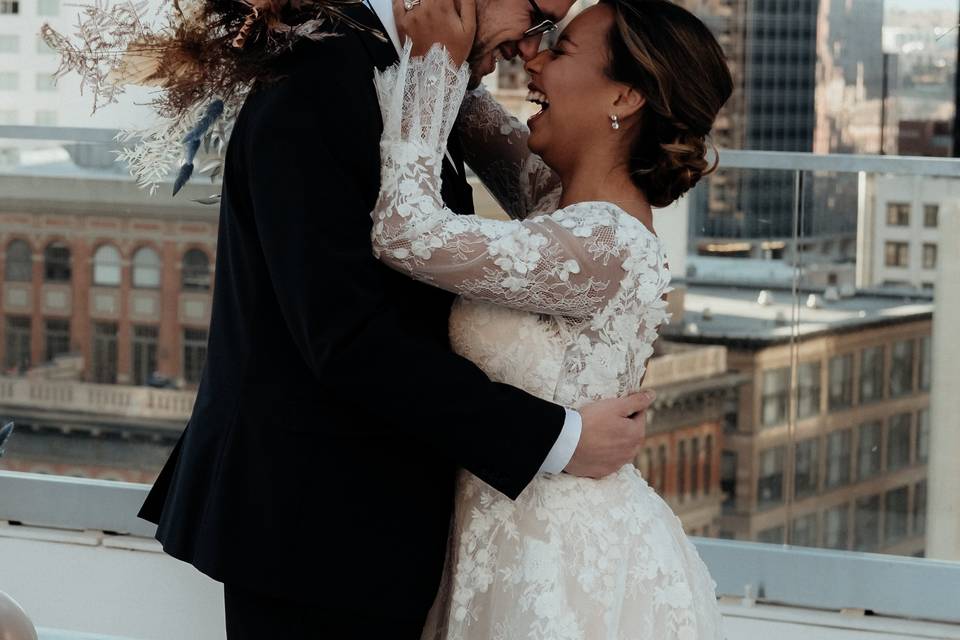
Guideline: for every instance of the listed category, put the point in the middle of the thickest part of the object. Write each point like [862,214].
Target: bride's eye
[556,51]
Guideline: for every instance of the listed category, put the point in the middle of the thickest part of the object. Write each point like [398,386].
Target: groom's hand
[613,432]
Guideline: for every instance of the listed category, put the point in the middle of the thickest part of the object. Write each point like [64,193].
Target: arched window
[56,262]
[196,271]
[19,266]
[146,268]
[106,266]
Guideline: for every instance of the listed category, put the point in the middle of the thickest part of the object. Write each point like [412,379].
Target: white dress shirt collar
[384,11]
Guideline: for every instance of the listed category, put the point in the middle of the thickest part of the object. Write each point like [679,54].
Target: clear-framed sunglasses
[542,24]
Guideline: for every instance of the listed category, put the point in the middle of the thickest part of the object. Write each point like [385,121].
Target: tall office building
[809,78]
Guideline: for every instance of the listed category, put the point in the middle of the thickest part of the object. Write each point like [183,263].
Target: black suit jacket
[320,458]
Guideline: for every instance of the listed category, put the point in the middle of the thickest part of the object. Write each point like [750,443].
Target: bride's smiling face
[571,84]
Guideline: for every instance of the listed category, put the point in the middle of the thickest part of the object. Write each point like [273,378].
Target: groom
[315,477]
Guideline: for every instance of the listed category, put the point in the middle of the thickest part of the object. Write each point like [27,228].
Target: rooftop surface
[735,314]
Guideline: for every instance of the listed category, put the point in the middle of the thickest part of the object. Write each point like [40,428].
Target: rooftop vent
[814,301]
[765,299]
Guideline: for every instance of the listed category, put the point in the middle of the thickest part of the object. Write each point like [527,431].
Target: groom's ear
[628,102]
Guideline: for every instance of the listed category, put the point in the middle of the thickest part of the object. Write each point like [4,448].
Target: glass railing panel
[828,345]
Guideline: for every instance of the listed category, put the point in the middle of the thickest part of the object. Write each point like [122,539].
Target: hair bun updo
[673,60]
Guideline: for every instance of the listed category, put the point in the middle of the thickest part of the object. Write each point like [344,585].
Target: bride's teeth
[538,97]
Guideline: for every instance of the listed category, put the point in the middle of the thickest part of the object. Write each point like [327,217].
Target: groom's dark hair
[673,60]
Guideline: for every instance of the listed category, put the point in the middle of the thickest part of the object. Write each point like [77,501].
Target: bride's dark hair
[670,57]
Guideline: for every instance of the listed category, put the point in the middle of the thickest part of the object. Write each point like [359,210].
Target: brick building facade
[107,273]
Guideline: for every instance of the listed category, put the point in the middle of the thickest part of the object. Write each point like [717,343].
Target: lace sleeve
[568,263]
[495,147]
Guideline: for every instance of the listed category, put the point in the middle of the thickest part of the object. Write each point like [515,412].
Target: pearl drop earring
[614,122]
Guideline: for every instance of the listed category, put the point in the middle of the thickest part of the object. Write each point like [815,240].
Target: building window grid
[931,215]
[145,345]
[681,470]
[196,271]
[43,48]
[898,214]
[869,458]
[838,458]
[9,43]
[105,353]
[48,7]
[707,464]
[840,382]
[56,263]
[871,374]
[806,468]
[836,527]
[46,118]
[19,262]
[808,389]
[923,436]
[45,82]
[775,400]
[901,368]
[920,508]
[146,268]
[898,441]
[866,523]
[804,530]
[107,266]
[897,254]
[773,535]
[9,7]
[9,80]
[194,354]
[929,255]
[694,468]
[895,504]
[17,344]
[57,338]
[926,363]
[770,480]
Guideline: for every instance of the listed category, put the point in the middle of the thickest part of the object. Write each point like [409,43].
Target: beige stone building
[830,442]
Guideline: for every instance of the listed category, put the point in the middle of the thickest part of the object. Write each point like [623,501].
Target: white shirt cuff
[563,449]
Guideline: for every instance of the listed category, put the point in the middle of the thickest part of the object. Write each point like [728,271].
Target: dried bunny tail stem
[202,51]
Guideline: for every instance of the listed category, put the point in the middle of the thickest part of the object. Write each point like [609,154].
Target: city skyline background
[794,289]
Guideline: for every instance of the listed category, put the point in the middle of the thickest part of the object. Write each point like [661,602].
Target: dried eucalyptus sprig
[104,34]
[151,154]
[203,52]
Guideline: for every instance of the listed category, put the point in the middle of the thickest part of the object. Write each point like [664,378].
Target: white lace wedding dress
[564,304]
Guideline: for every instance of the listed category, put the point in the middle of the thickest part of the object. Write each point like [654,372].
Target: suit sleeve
[313,224]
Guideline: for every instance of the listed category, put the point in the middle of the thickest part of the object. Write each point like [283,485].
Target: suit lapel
[381,51]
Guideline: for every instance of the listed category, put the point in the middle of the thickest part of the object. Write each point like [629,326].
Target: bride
[563,301]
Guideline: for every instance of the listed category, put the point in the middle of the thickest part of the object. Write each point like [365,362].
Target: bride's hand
[452,23]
